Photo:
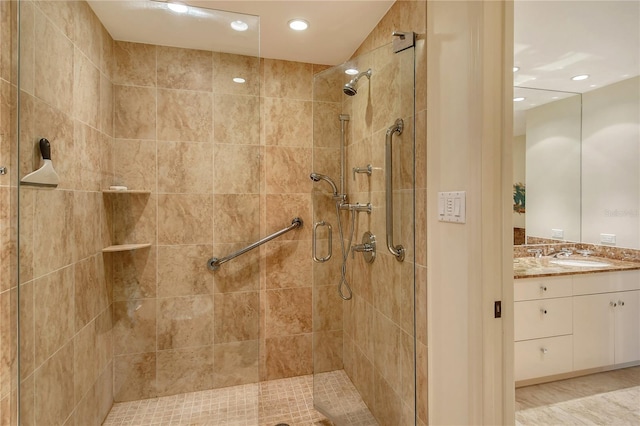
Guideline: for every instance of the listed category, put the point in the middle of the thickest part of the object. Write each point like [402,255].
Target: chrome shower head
[317,177]
[349,89]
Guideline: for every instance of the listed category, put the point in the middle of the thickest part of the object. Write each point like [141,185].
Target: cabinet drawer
[543,357]
[534,319]
[606,282]
[542,288]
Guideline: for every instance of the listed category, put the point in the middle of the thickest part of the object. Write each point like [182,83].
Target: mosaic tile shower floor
[288,401]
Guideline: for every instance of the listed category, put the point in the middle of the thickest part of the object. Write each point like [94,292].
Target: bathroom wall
[65,300]
[610,163]
[8,282]
[379,321]
[225,164]
[552,159]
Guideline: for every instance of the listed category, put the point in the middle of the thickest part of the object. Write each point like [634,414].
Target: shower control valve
[367,248]
[368,170]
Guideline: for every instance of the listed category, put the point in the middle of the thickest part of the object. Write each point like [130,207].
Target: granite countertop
[529,267]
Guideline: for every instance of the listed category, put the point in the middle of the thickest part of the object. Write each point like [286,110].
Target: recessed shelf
[126,191]
[124,247]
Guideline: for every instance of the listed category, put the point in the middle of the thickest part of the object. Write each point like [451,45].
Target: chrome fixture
[396,128]
[535,252]
[329,242]
[3,170]
[214,263]
[343,119]
[357,207]
[317,177]
[403,40]
[349,89]
[368,170]
[367,248]
[564,252]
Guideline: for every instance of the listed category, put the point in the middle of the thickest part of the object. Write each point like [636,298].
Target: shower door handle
[398,127]
[315,242]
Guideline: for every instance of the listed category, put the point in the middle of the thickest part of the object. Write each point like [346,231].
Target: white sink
[580,263]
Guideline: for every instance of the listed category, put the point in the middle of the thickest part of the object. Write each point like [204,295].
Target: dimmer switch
[452,207]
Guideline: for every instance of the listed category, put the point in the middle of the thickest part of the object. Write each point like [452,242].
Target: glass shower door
[364,346]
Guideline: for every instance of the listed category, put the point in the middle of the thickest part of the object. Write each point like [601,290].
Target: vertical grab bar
[398,127]
[315,242]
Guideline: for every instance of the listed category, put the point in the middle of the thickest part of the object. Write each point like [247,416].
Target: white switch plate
[452,207]
[608,239]
[557,233]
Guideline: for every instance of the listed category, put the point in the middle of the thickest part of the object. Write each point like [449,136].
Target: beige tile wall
[225,165]
[65,304]
[8,284]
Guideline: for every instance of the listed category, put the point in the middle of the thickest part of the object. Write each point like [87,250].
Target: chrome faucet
[537,253]
[564,252]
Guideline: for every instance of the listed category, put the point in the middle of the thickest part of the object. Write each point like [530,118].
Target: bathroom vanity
[574,320]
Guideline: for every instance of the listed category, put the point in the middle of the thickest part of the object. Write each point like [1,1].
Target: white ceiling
[336,30]
[556,40]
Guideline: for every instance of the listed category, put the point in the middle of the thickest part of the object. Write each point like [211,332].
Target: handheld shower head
[349,89]
[317,177]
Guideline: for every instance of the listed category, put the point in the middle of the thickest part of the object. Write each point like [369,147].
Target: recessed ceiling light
[239,80]
[580,77]
[515,69]
[239,25]
[298,24]
[518,99]
[177,7]
[351,71]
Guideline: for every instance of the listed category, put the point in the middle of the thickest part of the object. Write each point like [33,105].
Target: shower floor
[267,403]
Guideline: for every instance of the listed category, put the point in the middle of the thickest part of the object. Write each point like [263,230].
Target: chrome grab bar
[398,127]
[214,263]
[315,242]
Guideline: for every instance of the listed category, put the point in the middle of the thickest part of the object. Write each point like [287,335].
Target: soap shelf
[124,247]
[126,191]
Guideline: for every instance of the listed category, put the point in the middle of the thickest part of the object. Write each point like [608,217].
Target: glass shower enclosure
[364,283]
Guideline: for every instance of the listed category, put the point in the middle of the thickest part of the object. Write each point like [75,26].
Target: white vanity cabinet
[577,322]
[606,321]
[543,327]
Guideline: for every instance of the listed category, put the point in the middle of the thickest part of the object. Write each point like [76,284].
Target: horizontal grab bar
[214,263]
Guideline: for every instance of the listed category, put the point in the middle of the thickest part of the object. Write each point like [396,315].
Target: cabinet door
[627,319]
[593,330]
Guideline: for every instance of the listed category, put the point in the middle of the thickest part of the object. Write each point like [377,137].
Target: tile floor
[288,401]
[611,399]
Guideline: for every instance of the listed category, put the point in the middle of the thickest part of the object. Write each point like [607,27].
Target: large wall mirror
[577,142]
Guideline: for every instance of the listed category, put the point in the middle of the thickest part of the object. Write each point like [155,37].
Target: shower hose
[344,284]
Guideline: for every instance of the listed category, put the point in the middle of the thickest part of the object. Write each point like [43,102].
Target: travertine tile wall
[8,283]
[379,324]
[225,164]
[65,301]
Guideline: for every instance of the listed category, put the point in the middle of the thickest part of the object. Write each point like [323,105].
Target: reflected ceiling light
[515,69]
[520,99]
[239,25]
[580,77]
[178,7]
[238,80]
[298,24]
[351,71]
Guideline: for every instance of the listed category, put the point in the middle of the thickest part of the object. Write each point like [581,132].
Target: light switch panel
[452,207]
